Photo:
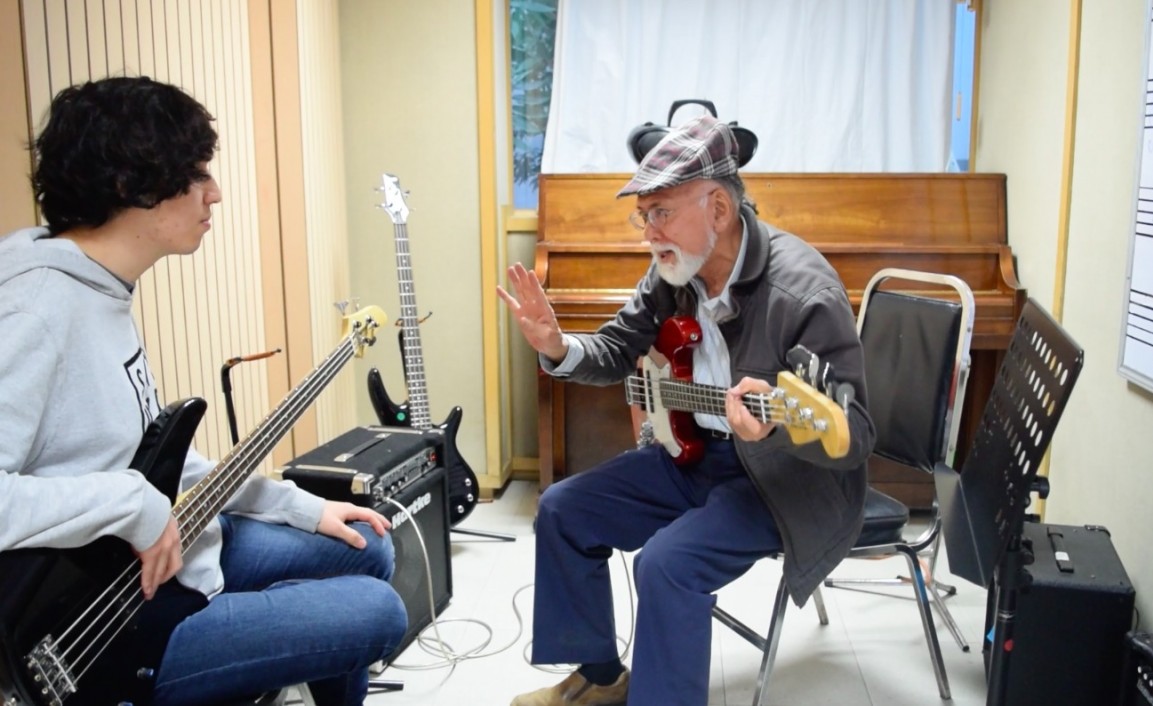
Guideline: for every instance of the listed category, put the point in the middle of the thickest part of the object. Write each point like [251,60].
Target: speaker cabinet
[427,501]
[1071,620]
[1137,676]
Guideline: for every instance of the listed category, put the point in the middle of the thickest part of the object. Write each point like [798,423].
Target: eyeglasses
[656,217]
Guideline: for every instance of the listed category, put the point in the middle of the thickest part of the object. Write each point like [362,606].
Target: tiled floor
[872,652]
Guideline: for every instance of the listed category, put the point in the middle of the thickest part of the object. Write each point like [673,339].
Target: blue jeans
[296,607]
[697,527]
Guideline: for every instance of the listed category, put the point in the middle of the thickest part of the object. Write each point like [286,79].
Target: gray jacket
[786,294]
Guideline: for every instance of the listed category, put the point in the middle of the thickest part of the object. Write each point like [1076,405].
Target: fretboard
[683,396]
[418,406]
[207,498]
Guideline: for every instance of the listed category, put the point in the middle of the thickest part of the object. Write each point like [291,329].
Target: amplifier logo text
[418,504]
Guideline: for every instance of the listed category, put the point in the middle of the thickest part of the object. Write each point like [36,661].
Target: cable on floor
[449,657]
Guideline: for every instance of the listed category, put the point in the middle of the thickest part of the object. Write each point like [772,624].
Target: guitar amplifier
[426,502]
[365,465]
[1137,675]
[1071,620]
[372,466]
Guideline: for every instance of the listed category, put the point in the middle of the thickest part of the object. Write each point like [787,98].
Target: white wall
[1101,463]
[1021,123]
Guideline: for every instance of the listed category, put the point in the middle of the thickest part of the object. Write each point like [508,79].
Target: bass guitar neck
[415,412]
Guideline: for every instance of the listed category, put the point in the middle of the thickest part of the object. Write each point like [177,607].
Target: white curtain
[826,85]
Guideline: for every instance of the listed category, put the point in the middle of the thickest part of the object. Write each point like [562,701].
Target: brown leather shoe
[575,690]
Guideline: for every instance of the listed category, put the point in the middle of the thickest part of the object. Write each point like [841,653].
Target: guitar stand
[376,686]
[500,536]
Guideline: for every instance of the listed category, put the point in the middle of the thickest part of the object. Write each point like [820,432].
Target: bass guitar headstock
[810,415]
[362,325]
[822,402]
[393,202]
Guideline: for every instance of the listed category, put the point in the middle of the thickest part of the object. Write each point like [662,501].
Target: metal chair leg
[922,595]
[939,600]
[819,602]
[946,616]
[935,592]
[769,654]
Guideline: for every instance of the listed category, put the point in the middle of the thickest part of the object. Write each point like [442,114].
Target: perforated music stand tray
[983,506]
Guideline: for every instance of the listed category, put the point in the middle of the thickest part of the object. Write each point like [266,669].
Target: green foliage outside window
[532,37]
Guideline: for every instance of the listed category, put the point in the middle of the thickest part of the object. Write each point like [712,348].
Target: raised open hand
[532,312]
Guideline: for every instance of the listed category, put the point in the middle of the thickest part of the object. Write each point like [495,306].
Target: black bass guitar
[75,629]
[462,482]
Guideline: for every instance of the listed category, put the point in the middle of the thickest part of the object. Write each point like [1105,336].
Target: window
[963,56]
[532,36]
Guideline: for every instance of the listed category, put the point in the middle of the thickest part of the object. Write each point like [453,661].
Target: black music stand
[983,506]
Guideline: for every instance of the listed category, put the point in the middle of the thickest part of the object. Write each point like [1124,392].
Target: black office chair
[916,366]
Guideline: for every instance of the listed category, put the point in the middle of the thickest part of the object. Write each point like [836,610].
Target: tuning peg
[345,306]
[841,392]
[804,362]
[844,395]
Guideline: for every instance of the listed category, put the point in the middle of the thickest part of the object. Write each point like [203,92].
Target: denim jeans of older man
[296,607]
[697,527]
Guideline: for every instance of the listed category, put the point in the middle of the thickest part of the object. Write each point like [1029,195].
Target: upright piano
[589,260]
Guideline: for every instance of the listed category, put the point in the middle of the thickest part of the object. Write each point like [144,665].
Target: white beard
[684,267]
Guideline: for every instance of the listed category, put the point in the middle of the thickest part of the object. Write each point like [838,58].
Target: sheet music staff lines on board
[1135,359]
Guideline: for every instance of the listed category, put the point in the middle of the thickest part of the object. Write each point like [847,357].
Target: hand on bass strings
[742,421]
[162,560]
[532,312]
[336,516]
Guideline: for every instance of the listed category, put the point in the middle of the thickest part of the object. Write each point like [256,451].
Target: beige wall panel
[326,220]
[284,29]
[523,362]
[114,45]
[39,89]
[55,31]
[1107,480]
[17,206]
[1022,123]
[267,197]
[1099,465]
[409,83]
[94,33]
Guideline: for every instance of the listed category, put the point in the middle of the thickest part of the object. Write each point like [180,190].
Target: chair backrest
[1032,387]
[916,365]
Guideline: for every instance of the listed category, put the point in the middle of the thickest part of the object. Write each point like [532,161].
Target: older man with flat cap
[756,292]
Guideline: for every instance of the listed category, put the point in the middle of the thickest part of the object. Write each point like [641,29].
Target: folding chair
[916,367]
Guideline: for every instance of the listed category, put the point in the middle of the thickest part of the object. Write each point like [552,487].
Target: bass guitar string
[235,469]
[701,398]
[127,601]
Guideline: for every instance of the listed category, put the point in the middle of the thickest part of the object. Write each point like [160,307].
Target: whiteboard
[1136,356]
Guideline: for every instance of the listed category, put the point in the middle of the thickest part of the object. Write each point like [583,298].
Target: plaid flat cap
[703,148]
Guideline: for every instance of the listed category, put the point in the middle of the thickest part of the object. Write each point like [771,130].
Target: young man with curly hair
[287,590]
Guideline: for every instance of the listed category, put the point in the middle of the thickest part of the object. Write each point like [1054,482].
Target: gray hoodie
[76,395]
